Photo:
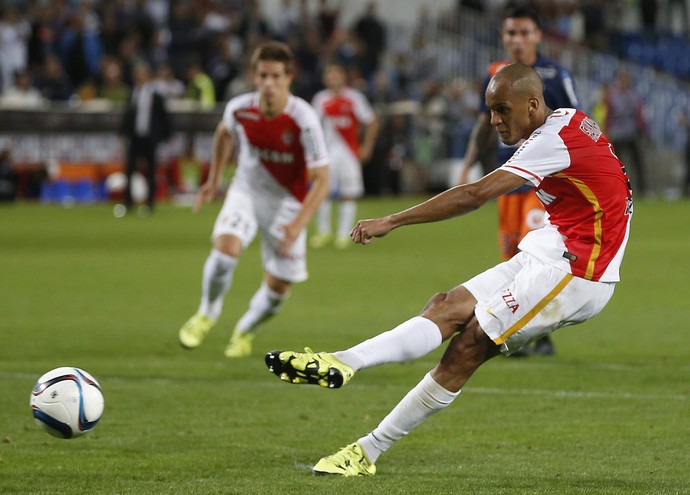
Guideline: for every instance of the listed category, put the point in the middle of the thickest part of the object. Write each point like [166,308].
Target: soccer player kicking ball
[281,151]
[564,274]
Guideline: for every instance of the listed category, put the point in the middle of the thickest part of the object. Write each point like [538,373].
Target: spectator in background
[424,62]
[223,65]
[112,87]
[80,47]
[167,84]
[461,110]
[289,22]
[14,39]
[372,33]
[53,82]
[430,125]
[626,127]
[307,49]
[200,86]
[327,20]
[44,18]
[392,151]
[22,95]
[184,28]
[112,31]
[594,19]
[145,125]
[252,25]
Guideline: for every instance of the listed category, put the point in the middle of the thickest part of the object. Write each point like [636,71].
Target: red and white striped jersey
[341,114]
[585,191]
[276,153]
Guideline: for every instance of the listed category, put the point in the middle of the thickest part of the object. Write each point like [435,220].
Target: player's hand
[366,230]
[290,235]
[207,192]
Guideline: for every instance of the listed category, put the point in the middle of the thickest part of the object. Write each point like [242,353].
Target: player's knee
[435,300]
[449,310]
[229,245]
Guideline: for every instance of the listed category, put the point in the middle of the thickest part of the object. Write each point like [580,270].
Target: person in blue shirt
[519,211]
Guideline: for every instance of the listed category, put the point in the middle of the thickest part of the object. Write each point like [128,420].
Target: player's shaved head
[515,97]
[520,80]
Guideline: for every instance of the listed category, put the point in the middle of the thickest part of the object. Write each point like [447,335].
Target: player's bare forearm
[223,146]
[320,187]
[454,202]
[370,134]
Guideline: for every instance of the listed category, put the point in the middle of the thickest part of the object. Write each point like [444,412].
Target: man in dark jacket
[145,125]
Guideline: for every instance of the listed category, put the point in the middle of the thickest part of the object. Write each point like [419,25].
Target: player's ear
[533,105]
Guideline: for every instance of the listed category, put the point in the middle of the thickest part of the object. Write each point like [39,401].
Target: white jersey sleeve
[311,137]
[362,108]
[544,153]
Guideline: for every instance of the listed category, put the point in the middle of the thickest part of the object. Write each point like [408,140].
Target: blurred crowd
[73,51]
[62,50]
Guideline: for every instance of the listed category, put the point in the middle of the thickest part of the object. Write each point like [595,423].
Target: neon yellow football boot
[240,345]
[318,241]
[342,242]
[194,331]
[322,368]
[348,461]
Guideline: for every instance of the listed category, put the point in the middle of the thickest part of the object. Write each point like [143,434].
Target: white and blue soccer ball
[67,402]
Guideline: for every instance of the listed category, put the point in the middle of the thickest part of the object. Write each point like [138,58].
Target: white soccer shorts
[245,213]
[523,299]
[346,174]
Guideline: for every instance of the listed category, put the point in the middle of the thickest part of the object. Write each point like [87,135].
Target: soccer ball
[67,402]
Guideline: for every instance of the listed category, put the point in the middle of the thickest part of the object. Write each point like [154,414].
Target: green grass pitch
[609,414]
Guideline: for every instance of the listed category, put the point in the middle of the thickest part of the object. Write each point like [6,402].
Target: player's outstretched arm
[454,202]
[223,147]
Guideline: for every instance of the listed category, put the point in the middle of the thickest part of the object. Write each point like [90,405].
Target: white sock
[215,282]
[426,399]
[346,219]
[410,340]
[264,304]
[323,218]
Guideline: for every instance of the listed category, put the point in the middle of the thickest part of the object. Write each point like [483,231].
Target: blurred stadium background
[608,414]
[420,62]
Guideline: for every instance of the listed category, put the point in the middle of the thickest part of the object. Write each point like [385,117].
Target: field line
[567,394]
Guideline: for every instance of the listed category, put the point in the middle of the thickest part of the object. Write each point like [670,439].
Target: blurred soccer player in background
[281,179]
[347,117]
[565,272]
[519,211]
